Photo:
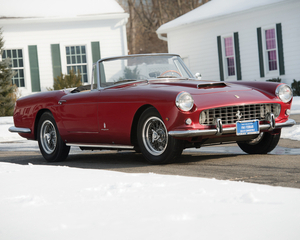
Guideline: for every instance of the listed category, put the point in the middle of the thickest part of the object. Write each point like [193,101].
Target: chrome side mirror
[198,76]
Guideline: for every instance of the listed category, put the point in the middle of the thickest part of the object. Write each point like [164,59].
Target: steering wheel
[170,71]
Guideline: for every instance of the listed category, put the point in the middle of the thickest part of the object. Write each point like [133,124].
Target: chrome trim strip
[208,132]
[112,146]
[19,130]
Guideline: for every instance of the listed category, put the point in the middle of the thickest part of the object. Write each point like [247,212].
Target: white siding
[198,42]
[111,34]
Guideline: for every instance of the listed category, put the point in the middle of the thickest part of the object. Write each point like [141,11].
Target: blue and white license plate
[247,127]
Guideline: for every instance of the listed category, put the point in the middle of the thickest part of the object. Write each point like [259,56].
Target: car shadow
[110,160]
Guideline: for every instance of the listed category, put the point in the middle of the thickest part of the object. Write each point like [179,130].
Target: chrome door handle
[60,102]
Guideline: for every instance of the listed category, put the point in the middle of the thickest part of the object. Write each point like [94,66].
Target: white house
[239,39]
[45,38]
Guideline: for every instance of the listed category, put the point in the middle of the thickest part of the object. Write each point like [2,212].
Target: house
[239,39]
[45,39]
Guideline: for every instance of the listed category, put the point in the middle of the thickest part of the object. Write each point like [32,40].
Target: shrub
[296,88]
[67,81]
[7,89]
[274,80]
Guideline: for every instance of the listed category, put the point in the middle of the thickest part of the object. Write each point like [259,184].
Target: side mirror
[198,76]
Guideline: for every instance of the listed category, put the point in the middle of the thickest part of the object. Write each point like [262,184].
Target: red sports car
[153,104]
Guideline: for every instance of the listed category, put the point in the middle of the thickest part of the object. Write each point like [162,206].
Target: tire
[154,142]
[51,145]
[263,144]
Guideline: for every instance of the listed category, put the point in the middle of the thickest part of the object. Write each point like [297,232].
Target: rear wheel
[51,145]
[263,144]
[153,139]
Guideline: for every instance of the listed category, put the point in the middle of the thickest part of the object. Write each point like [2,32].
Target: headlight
[184,101]
[284,93]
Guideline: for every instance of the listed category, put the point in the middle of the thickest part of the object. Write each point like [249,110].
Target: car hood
[196,87]
[213,93]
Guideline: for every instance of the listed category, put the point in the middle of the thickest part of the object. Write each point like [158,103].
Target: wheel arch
[37,119]
[133,134]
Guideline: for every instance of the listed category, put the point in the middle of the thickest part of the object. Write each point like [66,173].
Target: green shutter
[280,49]
[34,68]
[220,58]
[56,62]
[237,56]
[96,51]
[260,53]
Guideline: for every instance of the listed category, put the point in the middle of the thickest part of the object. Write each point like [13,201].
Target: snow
[57,8]
[57,202]
[213,9]
[48,202]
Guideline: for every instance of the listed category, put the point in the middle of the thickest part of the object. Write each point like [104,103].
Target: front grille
[231,114]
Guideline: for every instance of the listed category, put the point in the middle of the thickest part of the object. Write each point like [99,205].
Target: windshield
[144,67]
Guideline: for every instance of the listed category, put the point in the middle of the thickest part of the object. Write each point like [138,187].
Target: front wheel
[51,145]
[263,144]
[153,139]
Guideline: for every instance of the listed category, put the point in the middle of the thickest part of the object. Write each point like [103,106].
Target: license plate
[247,127]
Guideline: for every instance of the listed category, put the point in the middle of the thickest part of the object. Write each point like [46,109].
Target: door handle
[60,102]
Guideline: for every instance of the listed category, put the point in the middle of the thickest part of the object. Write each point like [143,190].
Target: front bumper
[230,130]
[19,130]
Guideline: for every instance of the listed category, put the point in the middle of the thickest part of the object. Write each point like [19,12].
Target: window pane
[77,49]
[4,54]
[228,46]
[20,55]
[9,53]
[15,63]
[14,53]
[230,64]
[83,49]
[21,62]
[78,59]
[272,60]
[67,51]
[72,50]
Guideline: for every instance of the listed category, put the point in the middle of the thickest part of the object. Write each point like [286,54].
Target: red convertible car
[152,103]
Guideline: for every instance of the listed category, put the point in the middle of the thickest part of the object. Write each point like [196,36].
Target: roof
[214,9]
[57,8]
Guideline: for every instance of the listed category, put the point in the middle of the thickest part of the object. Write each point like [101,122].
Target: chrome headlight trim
[184,101]
[284,93]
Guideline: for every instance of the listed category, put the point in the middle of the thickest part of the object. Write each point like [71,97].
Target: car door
[79,114]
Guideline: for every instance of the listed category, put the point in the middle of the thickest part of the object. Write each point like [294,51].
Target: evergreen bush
[296,88]
[7,89]
[67,81]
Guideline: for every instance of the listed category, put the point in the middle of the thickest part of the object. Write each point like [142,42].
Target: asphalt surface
[226,162]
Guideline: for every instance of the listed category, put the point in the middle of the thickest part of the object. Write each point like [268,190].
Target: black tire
[51,145]
[263,144]
[154,142]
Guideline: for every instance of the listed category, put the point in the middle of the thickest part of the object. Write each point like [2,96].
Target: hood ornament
[237,96]
[239,115]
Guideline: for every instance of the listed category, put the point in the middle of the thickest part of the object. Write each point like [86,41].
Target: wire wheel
[155,136]
[48,137]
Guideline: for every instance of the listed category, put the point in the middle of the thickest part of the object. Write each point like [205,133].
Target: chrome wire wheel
[48,137]
[155,136]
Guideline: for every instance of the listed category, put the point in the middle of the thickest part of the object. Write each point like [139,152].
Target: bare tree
[146,16]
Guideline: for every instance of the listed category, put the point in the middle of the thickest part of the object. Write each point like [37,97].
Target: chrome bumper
[19,130]
[216,131]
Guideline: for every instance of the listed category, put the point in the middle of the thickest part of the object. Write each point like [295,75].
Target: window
[76,60]
[229,56]
[271,49]
[16,56]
